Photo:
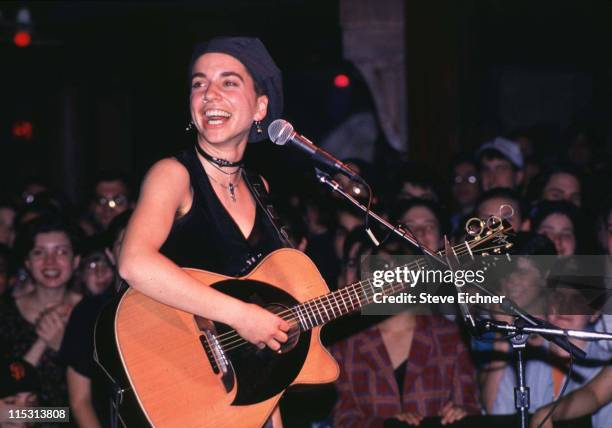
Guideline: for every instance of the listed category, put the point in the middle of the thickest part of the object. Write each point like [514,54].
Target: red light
[342,81]
[23,130]
[22,39]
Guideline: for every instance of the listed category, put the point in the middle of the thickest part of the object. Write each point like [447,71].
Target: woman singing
[200,209]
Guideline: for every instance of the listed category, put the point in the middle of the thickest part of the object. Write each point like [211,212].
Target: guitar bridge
[215,353]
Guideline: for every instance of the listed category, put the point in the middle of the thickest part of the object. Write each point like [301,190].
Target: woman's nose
[211,93]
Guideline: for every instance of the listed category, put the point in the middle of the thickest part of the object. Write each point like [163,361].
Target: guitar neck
[328,307]
[349,299]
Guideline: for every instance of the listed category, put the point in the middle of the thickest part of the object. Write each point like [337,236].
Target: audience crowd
[58,270]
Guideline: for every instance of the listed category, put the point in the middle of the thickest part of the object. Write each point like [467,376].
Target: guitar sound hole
[263,373]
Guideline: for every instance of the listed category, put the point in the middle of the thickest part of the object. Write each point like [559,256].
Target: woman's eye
[230,83]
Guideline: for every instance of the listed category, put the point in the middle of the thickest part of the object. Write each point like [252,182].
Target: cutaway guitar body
[174,369]
[186,371]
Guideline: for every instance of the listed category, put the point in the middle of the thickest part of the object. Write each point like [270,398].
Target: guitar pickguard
[261,373]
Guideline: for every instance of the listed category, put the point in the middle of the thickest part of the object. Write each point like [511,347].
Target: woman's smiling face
[51,261]
[559,229]
[223,100]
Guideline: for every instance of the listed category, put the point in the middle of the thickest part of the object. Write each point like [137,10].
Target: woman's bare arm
[166,188]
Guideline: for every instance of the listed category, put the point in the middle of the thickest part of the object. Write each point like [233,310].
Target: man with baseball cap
[501,164]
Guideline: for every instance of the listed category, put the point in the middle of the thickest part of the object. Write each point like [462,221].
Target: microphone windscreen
[279,131]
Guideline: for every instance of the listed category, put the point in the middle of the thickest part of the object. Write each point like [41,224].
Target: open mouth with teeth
[51,273]
[216,117]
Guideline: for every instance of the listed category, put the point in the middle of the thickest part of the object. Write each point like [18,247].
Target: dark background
[104,84]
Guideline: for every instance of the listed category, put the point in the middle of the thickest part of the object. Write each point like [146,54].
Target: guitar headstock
[488,237]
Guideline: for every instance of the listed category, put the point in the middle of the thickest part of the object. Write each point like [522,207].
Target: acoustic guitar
[173,369]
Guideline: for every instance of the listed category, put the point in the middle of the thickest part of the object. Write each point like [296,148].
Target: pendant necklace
[231,187]
[219,163]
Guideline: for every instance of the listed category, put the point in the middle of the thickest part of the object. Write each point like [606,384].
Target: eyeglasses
[28,198]
[100,264]
[472,179]
[114,202]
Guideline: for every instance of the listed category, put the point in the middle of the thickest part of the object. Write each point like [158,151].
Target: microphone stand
[325,178]
[521,333]
[523,325]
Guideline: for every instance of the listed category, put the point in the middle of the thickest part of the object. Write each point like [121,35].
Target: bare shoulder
[168,170]
[167,178]
[165,192]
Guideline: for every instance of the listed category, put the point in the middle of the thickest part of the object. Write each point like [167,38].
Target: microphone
[281,132]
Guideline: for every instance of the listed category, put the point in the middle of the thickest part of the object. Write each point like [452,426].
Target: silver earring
[189,126]
[258,127]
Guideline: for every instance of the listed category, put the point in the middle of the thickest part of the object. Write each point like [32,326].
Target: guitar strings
[228,337]
[228,341]
[233,340]
[462,251]
[232,345]
[367,294]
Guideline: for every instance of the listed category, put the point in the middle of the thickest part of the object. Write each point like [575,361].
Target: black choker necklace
[217,161]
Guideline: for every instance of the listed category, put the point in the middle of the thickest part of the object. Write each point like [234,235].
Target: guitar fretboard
[323,309]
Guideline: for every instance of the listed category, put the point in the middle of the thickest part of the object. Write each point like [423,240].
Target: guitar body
[175,372]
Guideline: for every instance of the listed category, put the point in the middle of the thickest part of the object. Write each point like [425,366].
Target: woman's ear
[262,107]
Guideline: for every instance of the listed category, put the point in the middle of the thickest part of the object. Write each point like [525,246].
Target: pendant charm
[232,191]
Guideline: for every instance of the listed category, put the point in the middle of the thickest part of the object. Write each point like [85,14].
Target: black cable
[366,225]
[369,206]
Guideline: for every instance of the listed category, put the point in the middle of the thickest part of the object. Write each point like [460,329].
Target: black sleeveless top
[208,238]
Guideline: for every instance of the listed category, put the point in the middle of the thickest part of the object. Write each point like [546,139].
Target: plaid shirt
[438,370]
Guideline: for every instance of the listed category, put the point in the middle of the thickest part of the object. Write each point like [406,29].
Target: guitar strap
[262,197]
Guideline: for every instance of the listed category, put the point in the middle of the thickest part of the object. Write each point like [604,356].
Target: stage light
[22,130]
[22,39]
[342,81]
